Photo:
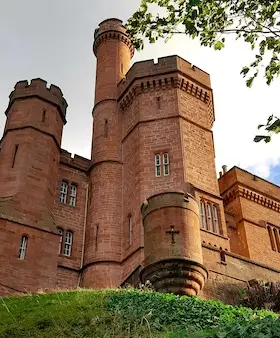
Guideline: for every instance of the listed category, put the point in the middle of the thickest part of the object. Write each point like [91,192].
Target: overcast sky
[53,40]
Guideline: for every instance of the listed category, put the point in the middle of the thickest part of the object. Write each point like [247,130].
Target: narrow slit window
[63,192]
[130,230]
[202,216]
[23,247]
[216,220]
[96,236]
[158,102]
[15,155]
[106,128]
[157,165]
[209,217]
[44,115]
[165,164]
[73,195]
[68,239]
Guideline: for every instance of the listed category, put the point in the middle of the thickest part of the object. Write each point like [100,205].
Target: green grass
[129,313]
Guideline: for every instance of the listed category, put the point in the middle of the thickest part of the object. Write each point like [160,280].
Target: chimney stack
[224,167]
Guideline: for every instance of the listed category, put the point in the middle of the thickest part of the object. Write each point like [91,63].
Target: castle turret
[113,51]
[30,152]
[173,252]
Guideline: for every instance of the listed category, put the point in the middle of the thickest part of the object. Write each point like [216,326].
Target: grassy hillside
[129,313]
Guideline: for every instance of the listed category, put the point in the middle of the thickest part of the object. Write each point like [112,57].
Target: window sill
[213,233]
[66,205]
[71,258]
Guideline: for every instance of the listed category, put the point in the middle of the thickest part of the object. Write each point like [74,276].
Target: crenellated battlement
[77,162]
[38,88]
[165,65]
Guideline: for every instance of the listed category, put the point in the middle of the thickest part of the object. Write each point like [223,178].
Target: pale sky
[53,40]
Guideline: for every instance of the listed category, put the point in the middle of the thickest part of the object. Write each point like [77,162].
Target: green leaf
[218,45]
[244,70]
[249,82]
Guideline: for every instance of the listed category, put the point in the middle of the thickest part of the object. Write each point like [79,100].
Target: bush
[262,295]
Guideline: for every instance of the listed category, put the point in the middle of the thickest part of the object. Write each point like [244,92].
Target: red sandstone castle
[148,205]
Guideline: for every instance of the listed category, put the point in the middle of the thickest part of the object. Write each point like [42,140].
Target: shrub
[261,295]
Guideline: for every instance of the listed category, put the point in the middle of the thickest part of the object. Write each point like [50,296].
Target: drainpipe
[84,236]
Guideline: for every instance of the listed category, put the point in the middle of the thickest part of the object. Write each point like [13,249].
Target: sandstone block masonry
[147,205]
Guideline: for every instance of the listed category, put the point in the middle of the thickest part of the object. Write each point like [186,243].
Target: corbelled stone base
[179,276]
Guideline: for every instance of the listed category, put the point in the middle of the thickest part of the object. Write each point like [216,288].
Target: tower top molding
[112,29]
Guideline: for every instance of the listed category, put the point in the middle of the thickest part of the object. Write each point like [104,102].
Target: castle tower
[29,161]
[30,153]
[113,51]
[169,163]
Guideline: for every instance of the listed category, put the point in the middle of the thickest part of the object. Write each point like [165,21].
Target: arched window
[73,195]
[271,236]
[67,247]
[276,237]
[209,217]
[23,247]
[202,216]
[216,227]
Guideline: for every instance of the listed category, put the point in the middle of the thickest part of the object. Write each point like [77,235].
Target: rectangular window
[63,192]
[67,243]
[162,164]
[216,227]
[209,217]
[73,195]
[202,216]
[165,164]
[23,247]
[157,165]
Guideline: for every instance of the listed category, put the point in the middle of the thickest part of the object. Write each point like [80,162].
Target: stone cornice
[241,191]
[113,35]
[166,82]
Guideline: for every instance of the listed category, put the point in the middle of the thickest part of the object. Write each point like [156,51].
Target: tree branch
[232,31]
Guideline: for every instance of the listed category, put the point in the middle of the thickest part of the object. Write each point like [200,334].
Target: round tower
[30,152]
[173,253]
[113,50]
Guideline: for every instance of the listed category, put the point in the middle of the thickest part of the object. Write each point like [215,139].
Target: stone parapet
[38,88]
